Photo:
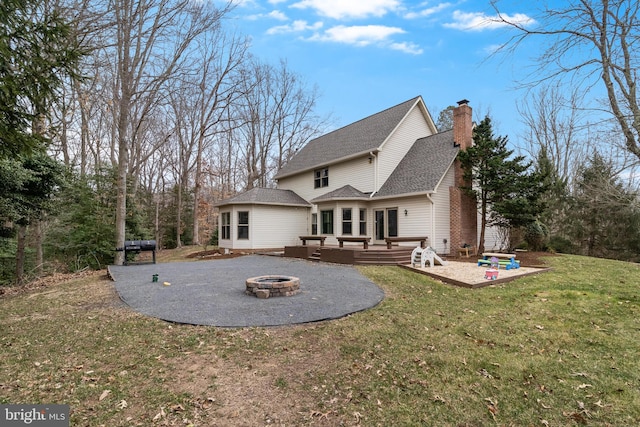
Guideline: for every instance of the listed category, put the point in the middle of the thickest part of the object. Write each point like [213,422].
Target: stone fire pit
[272,286]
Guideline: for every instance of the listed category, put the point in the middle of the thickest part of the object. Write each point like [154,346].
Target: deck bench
[363,240]
[391,240]
[319,238]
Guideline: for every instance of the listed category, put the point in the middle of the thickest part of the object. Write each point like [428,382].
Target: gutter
[433,220]
[375,174]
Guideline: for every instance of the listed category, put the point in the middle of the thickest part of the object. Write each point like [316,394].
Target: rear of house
[388,175]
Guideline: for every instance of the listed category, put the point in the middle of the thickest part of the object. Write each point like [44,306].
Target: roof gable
[358,138]
[423,167]
[346,192]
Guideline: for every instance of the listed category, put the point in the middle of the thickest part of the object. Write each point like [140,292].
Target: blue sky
[368,55]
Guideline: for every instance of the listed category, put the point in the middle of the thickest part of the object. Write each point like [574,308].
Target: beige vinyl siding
[442,217]
[358,172]
[417,221]
[269,227]
[279,226]
[413,127]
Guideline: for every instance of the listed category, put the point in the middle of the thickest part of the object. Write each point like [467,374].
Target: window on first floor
[327,222]
[321,178]
[314,224]
[363,222]
[243,225]
[346,221]
[225,228]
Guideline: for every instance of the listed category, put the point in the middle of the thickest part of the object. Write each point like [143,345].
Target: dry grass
[554,349]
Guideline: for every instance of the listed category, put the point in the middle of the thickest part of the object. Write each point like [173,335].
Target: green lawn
[559,348]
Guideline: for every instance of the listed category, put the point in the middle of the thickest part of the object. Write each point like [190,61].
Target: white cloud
[245,3]
[276,14]
[295,27]
[346,9]
[478,21]
[277,1]
[363,35]
[424,13]
[407,47]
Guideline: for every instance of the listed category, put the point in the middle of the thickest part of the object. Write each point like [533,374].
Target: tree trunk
[179,216]
[39,253]
[196,196]
[22,234]
[483,225]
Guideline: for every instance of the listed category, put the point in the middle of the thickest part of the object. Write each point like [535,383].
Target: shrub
[562,245]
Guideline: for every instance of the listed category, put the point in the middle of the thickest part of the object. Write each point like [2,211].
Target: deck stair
[315,256]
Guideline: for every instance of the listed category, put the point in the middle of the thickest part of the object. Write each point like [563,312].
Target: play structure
[508,261]
[421,255]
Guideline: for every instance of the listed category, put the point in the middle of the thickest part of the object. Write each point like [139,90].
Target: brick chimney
[462,125]
[463,214]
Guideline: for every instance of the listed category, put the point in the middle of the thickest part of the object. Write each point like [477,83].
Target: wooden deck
[357,255]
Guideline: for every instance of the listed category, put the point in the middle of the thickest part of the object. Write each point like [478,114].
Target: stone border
[264,287]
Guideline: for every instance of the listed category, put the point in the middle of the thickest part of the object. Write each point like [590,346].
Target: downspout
[433,220]
[375,173]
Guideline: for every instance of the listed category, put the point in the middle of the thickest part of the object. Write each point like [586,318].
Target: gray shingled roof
[422,167]
[362,136]
[268,196]
[346,193]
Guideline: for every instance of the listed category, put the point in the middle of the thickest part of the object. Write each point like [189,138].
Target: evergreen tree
[556,204]
[605,215]
[31,184]
[82,234]
[508,194]
[36,54]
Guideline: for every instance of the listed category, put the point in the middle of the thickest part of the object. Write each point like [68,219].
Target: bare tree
[590,41]
[151,41]
[215,92]
[556,124]
[276,116]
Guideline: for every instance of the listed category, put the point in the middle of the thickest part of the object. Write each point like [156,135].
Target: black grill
[137,246]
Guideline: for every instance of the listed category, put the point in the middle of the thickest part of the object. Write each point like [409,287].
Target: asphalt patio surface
[213,292]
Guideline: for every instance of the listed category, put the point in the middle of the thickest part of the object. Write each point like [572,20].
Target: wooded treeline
[143,113]
[167,113]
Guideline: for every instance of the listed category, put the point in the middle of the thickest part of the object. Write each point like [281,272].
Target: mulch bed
[214,254]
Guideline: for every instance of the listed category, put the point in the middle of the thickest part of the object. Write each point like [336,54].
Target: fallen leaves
[583,386]
[492,407]
[541,403]
[485,373]
[104,395]
[320,415]
[160,414]
[439,399]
